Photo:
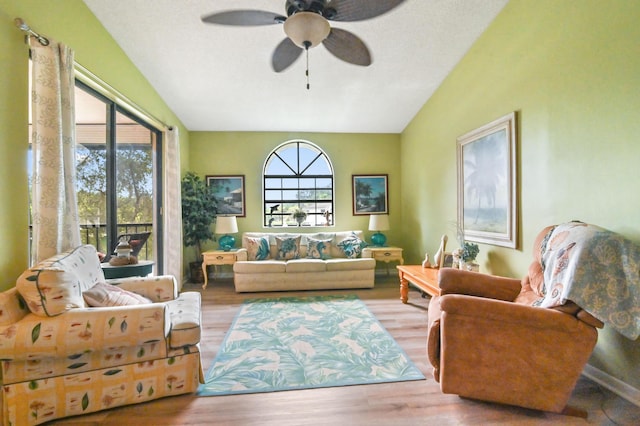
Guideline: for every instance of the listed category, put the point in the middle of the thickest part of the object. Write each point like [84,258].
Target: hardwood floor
[404,403]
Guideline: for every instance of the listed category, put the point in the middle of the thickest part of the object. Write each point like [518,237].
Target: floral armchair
[72,344]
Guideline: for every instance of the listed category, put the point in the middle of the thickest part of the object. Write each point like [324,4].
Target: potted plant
[468,255]
[298,215]
[199,209]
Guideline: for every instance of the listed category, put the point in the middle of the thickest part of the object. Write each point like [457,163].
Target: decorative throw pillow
[103,294]
[288,247]
[352,246]
[56,284]
[318,249]
[258,248]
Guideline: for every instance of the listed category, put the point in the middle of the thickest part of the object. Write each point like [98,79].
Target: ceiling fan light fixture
[306,28]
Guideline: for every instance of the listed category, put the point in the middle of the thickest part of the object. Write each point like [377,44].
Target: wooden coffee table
[426,279]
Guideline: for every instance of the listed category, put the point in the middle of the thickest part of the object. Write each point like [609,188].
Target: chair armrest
[242,254]
[366,252]
[458,281]
[85,329]
[161,288]
[507,313]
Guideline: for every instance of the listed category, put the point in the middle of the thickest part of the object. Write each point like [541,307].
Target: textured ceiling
[219,78]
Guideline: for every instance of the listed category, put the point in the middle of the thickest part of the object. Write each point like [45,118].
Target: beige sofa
[62,358]
[328,260]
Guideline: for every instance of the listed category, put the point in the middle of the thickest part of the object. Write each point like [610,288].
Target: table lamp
[378,222]
[226,225]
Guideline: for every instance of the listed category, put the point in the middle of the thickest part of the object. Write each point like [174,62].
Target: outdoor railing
[96,235]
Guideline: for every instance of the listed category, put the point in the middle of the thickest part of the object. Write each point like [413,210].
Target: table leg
[404,288]
[204,273]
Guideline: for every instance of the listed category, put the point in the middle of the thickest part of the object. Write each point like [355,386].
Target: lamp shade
[379,222]
[306,27]
[226,225]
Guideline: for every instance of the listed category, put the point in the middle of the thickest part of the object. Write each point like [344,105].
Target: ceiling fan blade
[348,47]
[285,54]
[244,18]
[359,10]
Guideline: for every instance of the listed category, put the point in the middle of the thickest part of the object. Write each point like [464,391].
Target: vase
[469,266]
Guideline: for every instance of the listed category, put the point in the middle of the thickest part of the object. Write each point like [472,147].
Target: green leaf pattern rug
[309,342]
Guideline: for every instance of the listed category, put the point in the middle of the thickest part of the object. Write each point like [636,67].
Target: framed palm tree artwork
[370,194]
[487,197]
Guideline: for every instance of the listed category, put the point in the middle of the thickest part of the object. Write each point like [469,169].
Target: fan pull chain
[306,46]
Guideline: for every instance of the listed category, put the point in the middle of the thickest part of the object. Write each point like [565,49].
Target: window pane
[307,183]
[134,179]
[272,183]
[324,183]
[290,157]
[319,167]
[307,194]
[275,166]
[323,194]
[91,166]
[272,195]
[290,183]
[290,195]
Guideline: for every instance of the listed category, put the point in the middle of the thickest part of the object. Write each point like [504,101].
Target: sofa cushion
[350,264]
[185,314]
[257,248]
[288,248]
[55,285]
[259,267]
[318,249]
[306,265]
[352,246]
[103,294]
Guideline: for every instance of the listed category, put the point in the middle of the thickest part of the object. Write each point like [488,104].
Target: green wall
[71,23]
[571,70]
[223,153]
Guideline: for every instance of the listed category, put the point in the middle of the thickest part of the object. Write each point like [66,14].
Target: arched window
[297,175]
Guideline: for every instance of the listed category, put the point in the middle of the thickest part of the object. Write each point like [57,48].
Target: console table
[426,279]
[216,258]
[140,269]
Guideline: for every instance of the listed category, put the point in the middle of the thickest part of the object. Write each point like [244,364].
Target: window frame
[112,108]
[297,174]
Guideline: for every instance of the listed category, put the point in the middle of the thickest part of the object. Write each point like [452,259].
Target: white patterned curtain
[54,204]
[172,207]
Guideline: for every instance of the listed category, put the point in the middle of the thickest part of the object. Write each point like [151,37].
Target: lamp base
[378,239]
[226,242]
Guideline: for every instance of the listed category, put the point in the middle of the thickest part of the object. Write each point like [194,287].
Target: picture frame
[447,260]
[229,191]
[370,194]
[487,187]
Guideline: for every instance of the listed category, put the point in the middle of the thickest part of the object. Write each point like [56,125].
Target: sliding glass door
[118,170]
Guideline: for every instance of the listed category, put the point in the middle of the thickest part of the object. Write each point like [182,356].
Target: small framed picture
[370,194]
[229,191]
[447,261]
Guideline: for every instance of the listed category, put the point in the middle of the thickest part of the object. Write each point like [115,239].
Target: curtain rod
[102,87]
[30,33]
[93,81]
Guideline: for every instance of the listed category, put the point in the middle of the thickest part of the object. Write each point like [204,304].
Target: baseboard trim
[616,386]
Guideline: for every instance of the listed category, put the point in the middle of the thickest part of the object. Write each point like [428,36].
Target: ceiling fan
[307,25]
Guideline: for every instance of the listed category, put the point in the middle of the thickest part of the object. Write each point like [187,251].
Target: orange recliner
[487,342]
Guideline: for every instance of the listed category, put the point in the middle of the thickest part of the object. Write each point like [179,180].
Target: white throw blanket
[597,269]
